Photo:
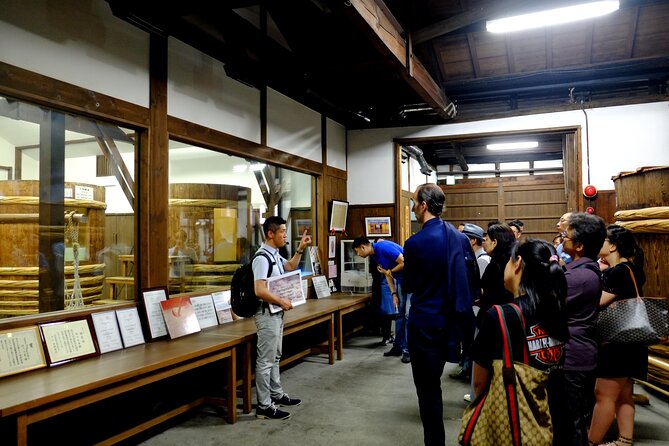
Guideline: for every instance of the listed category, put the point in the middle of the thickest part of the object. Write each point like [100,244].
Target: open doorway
[535,184]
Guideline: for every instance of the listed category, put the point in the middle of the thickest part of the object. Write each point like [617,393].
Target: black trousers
[580,394]
[428,357]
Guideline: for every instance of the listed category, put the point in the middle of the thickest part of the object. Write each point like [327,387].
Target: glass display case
[355,274]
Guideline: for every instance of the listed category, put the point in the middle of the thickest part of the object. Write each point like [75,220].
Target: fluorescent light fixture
[239,168]
[552,16]
[256,167]
[519,145]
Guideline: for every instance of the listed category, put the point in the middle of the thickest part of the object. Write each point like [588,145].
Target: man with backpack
[270,325]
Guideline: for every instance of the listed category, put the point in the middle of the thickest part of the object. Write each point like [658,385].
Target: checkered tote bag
[639,320]
[514,411]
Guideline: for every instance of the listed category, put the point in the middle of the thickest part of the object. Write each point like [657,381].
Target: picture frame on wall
[338,215]
[377,227]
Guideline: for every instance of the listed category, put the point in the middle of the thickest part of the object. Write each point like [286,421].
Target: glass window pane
[66,184]
[548,163]
[218,203]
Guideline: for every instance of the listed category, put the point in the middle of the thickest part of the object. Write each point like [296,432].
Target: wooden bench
[329,311]
[39,395]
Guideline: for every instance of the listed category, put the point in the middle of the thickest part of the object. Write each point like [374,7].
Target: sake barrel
[648,187]
[19,243]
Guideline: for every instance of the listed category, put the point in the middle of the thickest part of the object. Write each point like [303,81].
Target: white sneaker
[467,398]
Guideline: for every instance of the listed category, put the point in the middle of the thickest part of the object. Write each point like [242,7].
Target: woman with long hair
[617,364]
[538,285]
[497,243]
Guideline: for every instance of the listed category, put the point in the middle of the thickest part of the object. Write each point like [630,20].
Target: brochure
[288,286]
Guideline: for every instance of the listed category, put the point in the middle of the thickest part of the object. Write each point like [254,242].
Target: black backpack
[243,297]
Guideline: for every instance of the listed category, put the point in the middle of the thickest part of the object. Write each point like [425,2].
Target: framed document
[377,226]
[67,341]
[288,286]
[321,286]
[151,298]
[222,306]
[179,316]
[21,350]
[332,246]
[107,332]
[204,310]
[338,214]
[130,327]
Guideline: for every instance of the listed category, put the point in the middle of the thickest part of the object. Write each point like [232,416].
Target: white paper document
[288,286]
[321,286]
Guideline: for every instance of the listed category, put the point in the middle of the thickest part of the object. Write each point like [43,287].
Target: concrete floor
[365,399]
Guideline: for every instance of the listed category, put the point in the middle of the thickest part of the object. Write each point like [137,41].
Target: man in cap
[475,235]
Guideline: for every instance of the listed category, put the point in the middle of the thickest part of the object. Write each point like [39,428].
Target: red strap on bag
[509,375]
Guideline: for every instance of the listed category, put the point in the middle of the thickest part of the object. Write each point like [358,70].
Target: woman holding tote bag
[537,282]
[617,364]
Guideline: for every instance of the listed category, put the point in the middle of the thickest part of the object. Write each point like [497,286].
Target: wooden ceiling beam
[632,32]
[467,18]
[460,156]
[374,19]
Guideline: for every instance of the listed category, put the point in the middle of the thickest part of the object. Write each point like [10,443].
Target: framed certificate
[222,306]
[130,327]
[21,350]
[151,299]
[179,316]
[69,340]
[204,310]
[107,332]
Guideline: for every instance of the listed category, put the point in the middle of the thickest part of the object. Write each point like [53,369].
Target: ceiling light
[552,16]
[239,168]
[518,145]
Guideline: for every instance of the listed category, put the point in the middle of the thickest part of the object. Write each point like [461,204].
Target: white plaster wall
[292,127]
[79,42]
[621,138]
[371,178]
[199,91]
[336,144]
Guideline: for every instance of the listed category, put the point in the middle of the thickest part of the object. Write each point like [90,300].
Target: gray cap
[473,231]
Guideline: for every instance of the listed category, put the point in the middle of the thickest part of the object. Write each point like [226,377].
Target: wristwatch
[300,252]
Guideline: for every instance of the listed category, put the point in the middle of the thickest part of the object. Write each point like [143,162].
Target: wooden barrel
[647,190]
[215,221]
[643,188]
[19,244]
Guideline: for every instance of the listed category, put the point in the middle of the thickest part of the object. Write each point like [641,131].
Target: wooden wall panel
[605,205]
[538,201]
[355,226]
[334,188]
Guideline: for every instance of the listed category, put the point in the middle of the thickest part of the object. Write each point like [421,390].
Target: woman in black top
[538,285]
[617,364]
[497,243]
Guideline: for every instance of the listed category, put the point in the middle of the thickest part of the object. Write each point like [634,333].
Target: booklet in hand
[288,286]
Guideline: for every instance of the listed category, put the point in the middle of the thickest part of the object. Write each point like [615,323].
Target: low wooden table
[44,393]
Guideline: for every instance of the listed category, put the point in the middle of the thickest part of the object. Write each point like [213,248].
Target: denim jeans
[270,337]
[401,321]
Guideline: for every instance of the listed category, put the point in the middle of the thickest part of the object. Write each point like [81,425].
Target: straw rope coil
[654,226]
[661,212]
[69,202]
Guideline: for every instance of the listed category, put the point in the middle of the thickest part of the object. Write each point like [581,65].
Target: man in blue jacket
[436,274]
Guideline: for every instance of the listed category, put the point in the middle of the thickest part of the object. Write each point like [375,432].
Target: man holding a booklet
[270,324]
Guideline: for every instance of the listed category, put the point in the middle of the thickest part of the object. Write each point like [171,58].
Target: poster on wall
[377,226]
